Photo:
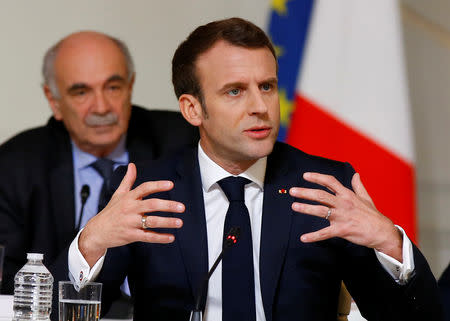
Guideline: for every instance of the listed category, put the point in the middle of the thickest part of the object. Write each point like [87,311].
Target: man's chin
[104,135]
[261,150]
[105,141]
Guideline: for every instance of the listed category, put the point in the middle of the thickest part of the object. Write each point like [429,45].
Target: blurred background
[153,29]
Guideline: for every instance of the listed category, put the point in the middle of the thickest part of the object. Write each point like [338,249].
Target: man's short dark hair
[236,31]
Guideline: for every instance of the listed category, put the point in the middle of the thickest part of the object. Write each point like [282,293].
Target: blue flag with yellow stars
[288,27]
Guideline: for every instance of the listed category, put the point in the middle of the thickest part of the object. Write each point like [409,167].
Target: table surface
[6,310]
[6,307]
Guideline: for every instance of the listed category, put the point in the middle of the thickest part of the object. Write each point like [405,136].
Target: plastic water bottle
[33,286]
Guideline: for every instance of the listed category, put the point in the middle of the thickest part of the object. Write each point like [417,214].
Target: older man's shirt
[85,174]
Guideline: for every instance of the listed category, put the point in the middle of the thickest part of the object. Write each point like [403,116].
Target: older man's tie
[105,168]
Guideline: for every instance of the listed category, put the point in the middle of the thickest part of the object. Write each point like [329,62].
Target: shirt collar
[82,159]
[211,173]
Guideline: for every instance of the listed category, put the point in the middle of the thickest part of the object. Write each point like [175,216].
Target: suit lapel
[276,221]
[276,225]
[62,186]
[192,237]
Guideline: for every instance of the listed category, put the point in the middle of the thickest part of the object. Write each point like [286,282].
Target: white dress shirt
[216,206]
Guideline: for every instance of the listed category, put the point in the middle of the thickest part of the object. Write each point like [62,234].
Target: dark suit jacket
[299,281]
[37,206]
[444,287]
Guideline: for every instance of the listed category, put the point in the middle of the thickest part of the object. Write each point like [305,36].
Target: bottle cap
[35,256]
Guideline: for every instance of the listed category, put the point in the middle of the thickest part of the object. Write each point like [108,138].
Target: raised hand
[123,221]
[352,215]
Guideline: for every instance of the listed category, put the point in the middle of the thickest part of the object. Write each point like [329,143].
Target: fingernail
[303,238]
[180,207]
[178,223]
[306,175]
[171,238]
[296,206]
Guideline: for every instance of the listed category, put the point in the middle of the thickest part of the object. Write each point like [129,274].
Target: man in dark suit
[88,81]
[306,229]
[444,288]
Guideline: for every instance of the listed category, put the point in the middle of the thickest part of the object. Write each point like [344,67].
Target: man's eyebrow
[273,80]
[82,85]
[115,77]
[239,84]
[236,84]
[77,86]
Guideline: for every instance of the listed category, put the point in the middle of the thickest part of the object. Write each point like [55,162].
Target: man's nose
[257,103]
[100,104]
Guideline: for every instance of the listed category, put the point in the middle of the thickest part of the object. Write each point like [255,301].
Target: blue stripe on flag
[288,28]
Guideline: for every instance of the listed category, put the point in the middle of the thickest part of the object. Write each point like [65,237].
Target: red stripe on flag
[389,179]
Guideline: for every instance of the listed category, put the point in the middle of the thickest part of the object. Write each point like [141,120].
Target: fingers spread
[316,210]
[160,205]
[155,237]
[327,181]
[311,194]
[359,188]
[320,235]
[162,222]
[148,188]
[128,180]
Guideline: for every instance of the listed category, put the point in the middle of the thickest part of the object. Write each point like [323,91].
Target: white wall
[426,27]
[151,28]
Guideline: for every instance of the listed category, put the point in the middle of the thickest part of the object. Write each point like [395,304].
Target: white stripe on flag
[353,68]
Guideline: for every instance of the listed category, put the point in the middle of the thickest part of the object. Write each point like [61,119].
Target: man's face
[242,117]
[94,92]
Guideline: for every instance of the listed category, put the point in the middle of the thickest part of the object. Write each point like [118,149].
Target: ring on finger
[328,214]
[144,222]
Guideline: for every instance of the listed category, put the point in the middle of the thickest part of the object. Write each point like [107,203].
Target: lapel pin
[282,191]
[81,276]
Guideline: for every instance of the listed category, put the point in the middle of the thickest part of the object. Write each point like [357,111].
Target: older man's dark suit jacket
[444,287]
[299,281]
[37,206]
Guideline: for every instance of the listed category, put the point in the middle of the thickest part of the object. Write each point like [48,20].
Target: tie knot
[233,187]
[104,167]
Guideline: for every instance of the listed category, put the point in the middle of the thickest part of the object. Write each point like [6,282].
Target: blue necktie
[105,167]
[238,283]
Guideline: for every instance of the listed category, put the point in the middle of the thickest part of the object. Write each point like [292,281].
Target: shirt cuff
[400,272]
[80,272]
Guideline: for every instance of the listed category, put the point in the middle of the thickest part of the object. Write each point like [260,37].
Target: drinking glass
[83,305]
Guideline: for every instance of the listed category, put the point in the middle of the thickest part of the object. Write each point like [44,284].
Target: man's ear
[53,102]
[191,109]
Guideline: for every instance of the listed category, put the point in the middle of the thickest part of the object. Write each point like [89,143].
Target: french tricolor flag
[343,93]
